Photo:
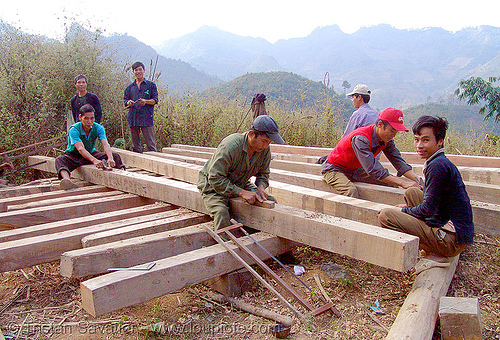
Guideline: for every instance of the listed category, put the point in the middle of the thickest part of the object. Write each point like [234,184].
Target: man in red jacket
[354,157]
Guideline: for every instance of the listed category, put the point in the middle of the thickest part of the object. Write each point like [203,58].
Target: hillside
[462,118]
[285,88]
[403,67]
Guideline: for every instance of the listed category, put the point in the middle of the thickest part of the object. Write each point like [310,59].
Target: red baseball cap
[394,117]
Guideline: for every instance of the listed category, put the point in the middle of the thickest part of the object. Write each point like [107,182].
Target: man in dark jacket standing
[441,215]
[140,97]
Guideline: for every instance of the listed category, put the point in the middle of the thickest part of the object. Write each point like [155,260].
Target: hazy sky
[153,22]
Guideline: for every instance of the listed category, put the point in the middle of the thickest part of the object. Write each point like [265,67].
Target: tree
[346,85]
[478,91]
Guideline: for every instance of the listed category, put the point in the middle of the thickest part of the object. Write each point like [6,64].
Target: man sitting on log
[441,214]
[80,151]
[237,158]
[354,157]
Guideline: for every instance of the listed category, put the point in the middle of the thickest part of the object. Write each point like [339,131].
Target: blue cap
[268,125]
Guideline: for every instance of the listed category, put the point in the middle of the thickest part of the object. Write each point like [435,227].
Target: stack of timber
[309,213]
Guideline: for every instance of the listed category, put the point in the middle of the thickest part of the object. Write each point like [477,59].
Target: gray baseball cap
[268,125]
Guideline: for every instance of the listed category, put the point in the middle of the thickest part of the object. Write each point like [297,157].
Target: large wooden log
[133,251]
[417,317]
[45,248]
[106,293]
[149,210]
[393,249]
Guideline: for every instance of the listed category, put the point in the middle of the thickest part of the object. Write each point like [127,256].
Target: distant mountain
[402,67]
[176,74]
[220,53]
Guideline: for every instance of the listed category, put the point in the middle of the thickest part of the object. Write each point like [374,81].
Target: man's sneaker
[66,184]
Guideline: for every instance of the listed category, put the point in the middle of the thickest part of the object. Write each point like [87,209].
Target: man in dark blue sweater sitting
[441,215]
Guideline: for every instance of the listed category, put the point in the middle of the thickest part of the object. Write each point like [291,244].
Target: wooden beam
[107,293]
[34,189]
[182,219]
[397,250]
[488,191]
[29,217]
[417,317]
[28,252]
[23,199]
[321,197]
[133,251]
[85,221]
[42,202]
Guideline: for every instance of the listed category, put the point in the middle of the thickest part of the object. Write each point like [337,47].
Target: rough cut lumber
[485,215]
[85,221]
[489,192]
[22,199]
[29,217]
[397,250]
[28,252]
[62,200]
[460,318]
[417,317]
[181,219]
[34,189]
[133,251]
[107,293]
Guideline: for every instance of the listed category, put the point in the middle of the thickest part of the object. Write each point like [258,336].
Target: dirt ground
[38,303]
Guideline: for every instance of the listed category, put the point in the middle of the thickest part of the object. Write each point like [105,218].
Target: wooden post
[460,318]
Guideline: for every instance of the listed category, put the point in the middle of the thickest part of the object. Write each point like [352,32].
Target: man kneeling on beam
[441,214]
[237,158]
[355,156]
[81,148]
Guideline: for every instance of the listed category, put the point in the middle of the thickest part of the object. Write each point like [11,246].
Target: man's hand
[250,196]
[111,162]
[262,191]
[130,103]
[142,101]
[98,164]
[406,183]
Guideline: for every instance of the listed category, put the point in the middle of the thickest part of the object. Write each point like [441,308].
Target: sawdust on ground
[48,306]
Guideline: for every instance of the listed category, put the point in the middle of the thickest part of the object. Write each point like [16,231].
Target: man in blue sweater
[441,215]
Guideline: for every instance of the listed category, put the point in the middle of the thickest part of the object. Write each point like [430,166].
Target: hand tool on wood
[266,268]
[254,273]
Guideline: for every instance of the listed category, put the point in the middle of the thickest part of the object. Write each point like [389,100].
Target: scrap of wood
[116,290]
[255,310]
[375,245]
[325,295]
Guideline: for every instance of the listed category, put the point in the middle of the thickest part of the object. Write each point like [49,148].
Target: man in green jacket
[237,158]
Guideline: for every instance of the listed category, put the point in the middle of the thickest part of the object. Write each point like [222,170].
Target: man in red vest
[354,157]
